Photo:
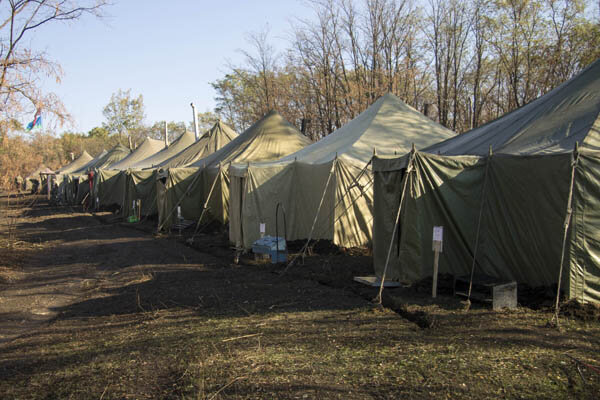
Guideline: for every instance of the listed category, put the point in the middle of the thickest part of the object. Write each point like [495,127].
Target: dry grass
[358,353]
[186,331]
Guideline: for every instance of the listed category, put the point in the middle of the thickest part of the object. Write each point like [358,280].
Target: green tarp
[340,162]
[148,148]
[109,187]
[270,138]
[185,140]
[520,192]
[140,185]
[218,136]
[104,160]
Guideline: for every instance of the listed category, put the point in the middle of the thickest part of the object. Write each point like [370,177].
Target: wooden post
[438,238]
[436,260]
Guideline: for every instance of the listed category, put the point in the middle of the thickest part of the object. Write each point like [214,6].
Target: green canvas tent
[76,164]
[114,155]
[182,143]
[111,181]
[62,178]
[146,149]
[271,138]
[77,181]
[326,188]
[33,181]
[81,180]
[503,211]
[110,185]
[218,136]
[141,184]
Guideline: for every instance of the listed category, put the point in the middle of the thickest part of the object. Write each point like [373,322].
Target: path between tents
[76,262]
[73,256]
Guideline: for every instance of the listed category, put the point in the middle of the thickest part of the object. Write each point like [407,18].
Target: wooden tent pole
[574,163]
[305,247]
[409,169]
[205,205]
[483,193]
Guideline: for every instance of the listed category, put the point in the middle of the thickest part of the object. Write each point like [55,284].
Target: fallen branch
[588,366]
[226,386]
[241,337]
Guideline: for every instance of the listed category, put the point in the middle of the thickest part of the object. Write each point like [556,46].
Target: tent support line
[205,205]
[475,248]
[180,200]
[354,183]
[565,232]
[305,247]
[409,170]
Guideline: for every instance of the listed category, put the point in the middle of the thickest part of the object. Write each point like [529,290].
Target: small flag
[37,120]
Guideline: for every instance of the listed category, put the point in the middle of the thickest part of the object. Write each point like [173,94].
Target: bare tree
[21,66]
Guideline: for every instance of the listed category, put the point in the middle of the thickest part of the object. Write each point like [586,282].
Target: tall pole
[166,135]
[195,120]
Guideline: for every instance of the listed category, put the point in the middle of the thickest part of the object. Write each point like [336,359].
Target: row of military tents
[519,197]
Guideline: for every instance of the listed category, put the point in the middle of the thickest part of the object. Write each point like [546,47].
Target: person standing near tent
[19,183]
[91,182]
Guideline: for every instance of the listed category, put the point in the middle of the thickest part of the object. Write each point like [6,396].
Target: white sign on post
[438,233]
[263,229]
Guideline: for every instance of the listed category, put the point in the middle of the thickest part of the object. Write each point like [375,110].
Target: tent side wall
[440,192]
[182,186]
[308,188]
[140,185]
[522,219]
[525,209]
[387,187]
[584,254]
[83,188]
[109,187]
[254,199]
[353,224]
[297,187]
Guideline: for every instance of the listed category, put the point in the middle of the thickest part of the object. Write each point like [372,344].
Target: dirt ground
[91,307]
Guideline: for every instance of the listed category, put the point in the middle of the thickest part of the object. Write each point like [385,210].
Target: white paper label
[263,227]
[438,233]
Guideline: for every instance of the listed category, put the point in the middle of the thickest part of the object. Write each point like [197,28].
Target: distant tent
[113,156]
[33,181]
[502,211]
[148,148]
[76,164]
[75,180]
[335,171]
[141,184]
[182,143]
[110,184]
[271,138]
[79,184]
[111,181]
[218,136]
[62,179]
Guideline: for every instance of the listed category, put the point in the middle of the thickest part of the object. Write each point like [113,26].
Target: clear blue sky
[168,51]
